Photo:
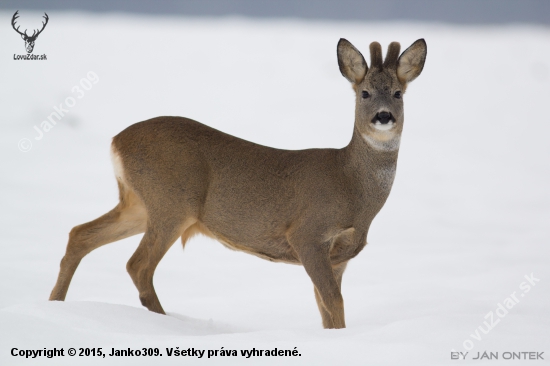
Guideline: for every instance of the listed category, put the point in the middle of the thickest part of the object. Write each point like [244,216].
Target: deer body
[178,177]
[275,192]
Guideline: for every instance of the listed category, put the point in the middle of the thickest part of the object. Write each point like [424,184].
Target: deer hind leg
[126,219]
[325,315]
[158,238]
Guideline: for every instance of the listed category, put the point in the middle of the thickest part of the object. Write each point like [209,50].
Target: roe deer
[178,177]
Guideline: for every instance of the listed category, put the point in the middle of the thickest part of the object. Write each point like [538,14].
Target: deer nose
[384,117]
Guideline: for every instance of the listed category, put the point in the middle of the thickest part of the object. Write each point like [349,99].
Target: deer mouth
[383,121]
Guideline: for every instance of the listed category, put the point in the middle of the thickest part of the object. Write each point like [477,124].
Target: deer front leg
[316,261]
[325,315]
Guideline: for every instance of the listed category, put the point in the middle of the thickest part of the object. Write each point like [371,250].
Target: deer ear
[411,61]
[351,61]
[23,36]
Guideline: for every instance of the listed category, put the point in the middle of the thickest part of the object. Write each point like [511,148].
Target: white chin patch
[384,127]
[389,145]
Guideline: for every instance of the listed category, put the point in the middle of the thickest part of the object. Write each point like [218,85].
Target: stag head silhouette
[29,40]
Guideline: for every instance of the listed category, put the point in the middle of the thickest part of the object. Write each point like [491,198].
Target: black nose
[383,117]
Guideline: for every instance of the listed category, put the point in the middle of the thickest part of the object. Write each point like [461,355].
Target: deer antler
[15,16]
[34,34]
[43,25]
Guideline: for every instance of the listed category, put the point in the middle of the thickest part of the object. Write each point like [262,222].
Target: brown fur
[375,56]
[178,177]
[391,55]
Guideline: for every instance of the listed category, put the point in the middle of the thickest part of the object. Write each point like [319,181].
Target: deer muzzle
[383,118]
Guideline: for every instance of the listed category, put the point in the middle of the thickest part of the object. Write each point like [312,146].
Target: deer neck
[372,164]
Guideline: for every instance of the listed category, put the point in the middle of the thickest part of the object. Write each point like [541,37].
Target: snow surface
[467,218]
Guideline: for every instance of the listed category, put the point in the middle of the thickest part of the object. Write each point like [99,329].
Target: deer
[178,178]
[29,40]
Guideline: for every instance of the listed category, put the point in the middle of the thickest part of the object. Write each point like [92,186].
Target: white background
[467,218]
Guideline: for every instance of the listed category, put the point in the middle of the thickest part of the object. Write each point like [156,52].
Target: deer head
[29,40]
[379,89]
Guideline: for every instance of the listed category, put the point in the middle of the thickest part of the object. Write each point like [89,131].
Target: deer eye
[365,94]
[397,94]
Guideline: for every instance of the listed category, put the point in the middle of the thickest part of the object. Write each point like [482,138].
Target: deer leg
[325,315]
[141,266]
[119,223]
[314,256]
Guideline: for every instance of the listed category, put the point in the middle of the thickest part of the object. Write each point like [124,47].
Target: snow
[466,221]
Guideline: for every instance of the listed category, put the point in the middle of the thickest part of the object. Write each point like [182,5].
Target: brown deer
[178,177]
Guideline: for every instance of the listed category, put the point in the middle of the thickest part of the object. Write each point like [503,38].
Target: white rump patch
[117,164]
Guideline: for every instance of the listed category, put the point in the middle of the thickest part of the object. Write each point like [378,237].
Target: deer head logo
[29,40]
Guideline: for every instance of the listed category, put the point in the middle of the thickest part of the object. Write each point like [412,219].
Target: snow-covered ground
[468,217]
